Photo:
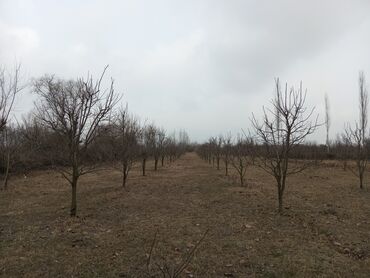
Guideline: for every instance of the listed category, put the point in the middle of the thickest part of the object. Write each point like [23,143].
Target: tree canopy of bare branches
[10,86]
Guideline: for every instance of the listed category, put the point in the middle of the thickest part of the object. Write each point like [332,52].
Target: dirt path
[319,234]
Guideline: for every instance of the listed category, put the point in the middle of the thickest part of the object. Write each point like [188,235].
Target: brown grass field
[324,232]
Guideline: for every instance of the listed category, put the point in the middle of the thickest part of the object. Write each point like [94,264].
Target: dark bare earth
[325,230]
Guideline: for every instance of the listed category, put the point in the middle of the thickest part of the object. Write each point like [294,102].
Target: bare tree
[158,146]
[147,145]
[358,136]
[162,141]
[127,134]
[74,110]
[165,149]
[226,152]
[283,127]
[213,149]
[172,147]
[327,122]
[240,158]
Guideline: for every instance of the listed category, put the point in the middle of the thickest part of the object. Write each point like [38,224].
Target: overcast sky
[202,66]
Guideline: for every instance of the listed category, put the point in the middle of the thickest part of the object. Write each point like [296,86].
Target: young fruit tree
[73,110]
[226,152]
[241,157]
[213,149]
[166,149]
[162,143]
[126,144]
[358,136]
[147,145]
[158,146]
[283,127]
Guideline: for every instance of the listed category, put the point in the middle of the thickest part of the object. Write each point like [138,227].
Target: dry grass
[325,230]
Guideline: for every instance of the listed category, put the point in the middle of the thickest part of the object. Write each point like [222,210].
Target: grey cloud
[200,65]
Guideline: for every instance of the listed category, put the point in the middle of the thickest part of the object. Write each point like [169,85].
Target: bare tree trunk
[143,165]
[281,188]
[361,176]
[74,194]
[226,168]
[280,199]
[162,161]
[6,177]
[241,172]
[156,164]
[218,163]
[125,174]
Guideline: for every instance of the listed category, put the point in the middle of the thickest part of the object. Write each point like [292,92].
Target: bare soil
[324,231]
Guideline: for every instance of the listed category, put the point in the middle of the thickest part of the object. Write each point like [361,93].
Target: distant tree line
[75,129]
[278,143]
